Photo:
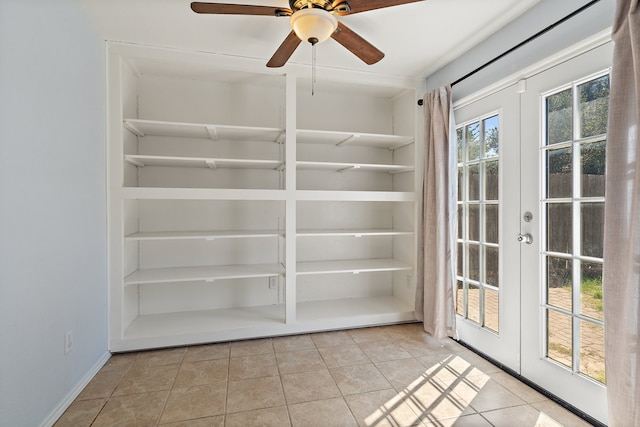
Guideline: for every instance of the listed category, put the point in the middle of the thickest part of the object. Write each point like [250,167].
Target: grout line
[164,406]
[226,394]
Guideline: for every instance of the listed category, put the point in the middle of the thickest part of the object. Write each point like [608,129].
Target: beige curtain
[622,223]
[436,279]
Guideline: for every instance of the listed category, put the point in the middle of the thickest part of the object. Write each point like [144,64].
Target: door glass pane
[460,298]
[559,282]
[461,183]
[560,117]
[491,260]
[592,162]
[592,351]
[460,221]
[460,260]
[474,182]
[474,222]
[473,303]
[559,338]
[491,180]
[559,173]
[559,227]
[460,145]
[474,262]
[594,105]
[491,137]
[491,316]
[591,303]
[592,225]
[491,225]
[473,141]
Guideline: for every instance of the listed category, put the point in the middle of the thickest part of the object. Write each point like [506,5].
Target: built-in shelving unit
[235,216]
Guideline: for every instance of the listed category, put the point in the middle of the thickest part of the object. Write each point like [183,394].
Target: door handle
[525,238]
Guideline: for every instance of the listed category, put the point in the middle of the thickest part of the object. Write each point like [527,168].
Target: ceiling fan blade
[285,51]
[357,45]
[357,6]
[238,9]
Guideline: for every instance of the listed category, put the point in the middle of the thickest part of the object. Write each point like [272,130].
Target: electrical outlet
[68,341]
[273,282]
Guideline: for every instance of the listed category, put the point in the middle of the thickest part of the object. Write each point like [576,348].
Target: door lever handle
[525,238]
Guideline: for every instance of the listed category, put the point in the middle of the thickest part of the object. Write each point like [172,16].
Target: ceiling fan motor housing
[336,6]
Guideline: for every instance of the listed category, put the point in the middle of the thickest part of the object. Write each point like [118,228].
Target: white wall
[597,18]
[53,247]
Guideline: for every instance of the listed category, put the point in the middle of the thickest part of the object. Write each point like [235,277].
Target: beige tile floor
[383,376]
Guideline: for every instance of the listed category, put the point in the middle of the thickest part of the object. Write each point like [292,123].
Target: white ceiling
[417,38]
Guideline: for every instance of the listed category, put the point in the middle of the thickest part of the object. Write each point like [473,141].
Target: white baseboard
[71,396]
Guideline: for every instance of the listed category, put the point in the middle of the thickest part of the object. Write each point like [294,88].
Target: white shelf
[355,196]
[189,327]
[354,233]
[163,193]
[391,142]
[207,274]
[198,130]
[204,235]
[356,266]
[203,324]
[386,309]
[353,167]
[201,162]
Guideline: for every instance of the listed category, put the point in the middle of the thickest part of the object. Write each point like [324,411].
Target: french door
[488,273]
[531,216]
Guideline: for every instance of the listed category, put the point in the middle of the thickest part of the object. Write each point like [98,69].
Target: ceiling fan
[313,21]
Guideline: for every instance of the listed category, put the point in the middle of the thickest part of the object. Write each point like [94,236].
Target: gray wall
[53,247]
[593,20]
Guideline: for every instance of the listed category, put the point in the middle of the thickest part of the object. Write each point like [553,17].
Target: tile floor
[382,376]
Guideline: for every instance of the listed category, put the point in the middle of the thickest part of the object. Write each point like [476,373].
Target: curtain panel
[621,276]
[435,290]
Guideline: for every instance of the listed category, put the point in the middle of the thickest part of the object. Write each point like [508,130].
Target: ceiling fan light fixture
[313,25]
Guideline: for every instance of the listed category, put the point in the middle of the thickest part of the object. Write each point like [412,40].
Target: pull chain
[313,69]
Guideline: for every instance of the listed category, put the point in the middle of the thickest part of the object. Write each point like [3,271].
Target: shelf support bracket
[350,168]
[348,140]
[130,126]
[211,164]
[404,144]
[400,171]
[135,163]
[213,133]
[280,139]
